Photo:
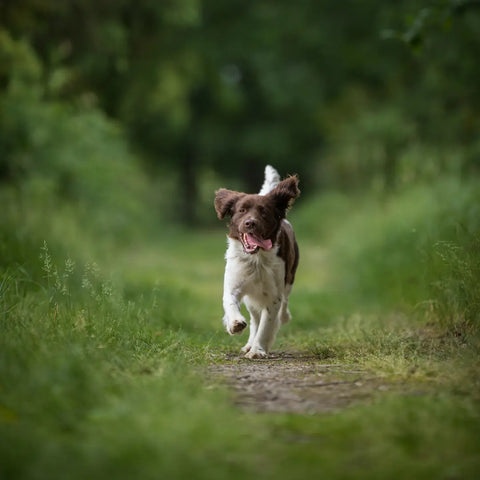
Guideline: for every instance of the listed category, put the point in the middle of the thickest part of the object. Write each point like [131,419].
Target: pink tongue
[265,244]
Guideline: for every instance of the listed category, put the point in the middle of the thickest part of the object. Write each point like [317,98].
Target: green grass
[102,368]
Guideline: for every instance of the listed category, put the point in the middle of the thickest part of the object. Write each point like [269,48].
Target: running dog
[261,259]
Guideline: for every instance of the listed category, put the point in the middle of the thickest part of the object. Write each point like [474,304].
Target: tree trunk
[188,188]
[390,169]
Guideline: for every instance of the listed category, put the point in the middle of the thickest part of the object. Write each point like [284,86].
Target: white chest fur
[259,281]
[259,276]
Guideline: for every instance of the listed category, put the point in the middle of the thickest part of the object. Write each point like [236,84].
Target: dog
[261,259]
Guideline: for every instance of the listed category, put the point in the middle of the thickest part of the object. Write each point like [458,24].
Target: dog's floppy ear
[225,201]
[285,193]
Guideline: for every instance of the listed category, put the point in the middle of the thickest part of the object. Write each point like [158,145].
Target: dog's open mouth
[252,243]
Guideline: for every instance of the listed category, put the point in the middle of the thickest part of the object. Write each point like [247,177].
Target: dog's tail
[272,178]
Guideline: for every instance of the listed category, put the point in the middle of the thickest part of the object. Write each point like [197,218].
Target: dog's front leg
[266,332]
[255,315]
[233,320]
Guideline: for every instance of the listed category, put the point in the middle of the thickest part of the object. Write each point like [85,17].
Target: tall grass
[413,251]
[457,292]
[103,359]
[94,383]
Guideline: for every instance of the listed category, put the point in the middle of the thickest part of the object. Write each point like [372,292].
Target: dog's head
[256,219]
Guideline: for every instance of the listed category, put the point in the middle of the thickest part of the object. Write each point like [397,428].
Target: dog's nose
[250,223]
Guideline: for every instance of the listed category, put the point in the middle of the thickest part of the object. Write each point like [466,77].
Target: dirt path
[296,383]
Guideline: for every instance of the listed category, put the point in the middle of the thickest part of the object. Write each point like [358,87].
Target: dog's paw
[246,348]
[236,326]
[256,353]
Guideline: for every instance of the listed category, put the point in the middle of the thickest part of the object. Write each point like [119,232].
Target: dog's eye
[242,210]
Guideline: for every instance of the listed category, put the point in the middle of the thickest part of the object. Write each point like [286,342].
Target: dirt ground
[295,383]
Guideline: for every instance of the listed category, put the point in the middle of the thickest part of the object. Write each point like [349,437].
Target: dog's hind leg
[284,314]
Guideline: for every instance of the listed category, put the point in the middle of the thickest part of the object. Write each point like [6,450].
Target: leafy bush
[66,173]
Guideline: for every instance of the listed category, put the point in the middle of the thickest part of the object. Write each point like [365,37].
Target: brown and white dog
[261,259]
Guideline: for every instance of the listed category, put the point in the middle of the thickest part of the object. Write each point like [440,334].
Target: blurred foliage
[350,95]
[65,168]
[416,251]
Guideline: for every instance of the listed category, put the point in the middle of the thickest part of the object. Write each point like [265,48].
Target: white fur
[272,178]
[259,281]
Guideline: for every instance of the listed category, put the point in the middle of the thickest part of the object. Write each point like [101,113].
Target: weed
[457,290]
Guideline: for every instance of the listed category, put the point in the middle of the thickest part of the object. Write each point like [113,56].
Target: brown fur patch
[288,251]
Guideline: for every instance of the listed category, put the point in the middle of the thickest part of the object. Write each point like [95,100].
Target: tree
[231,86]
